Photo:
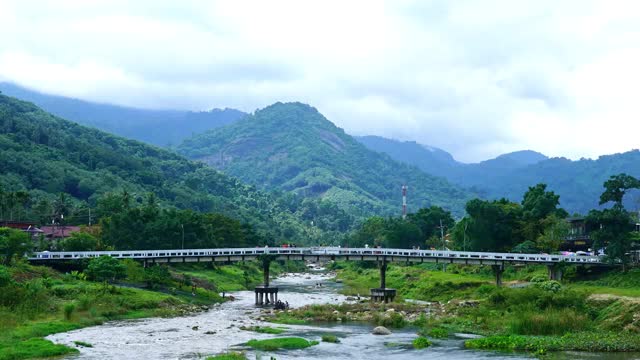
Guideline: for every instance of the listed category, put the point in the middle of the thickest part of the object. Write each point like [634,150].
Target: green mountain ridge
[46,155]
[579,183]
[292,147]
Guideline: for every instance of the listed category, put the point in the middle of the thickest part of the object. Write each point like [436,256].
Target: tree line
[536,224]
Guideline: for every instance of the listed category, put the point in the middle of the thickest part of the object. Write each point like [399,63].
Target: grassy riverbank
[38,301]
[538,315]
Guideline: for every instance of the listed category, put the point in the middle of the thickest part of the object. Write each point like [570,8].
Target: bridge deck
[365,254]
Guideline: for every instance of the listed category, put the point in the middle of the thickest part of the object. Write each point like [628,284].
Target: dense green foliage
[579,183]
[159,127]
[294,148]
[66,168]
[13,242]
[419,229]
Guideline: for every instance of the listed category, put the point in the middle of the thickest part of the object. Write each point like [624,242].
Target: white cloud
[477,78]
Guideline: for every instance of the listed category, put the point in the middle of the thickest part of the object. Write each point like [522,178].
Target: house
[58,231]
[578,238]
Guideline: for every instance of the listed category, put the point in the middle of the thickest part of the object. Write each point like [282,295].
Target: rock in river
[381,330]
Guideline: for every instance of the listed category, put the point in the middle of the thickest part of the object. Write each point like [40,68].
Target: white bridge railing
[316,251]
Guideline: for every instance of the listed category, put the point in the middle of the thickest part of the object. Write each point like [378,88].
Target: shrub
[330,338]
[68,310]
[550,285]
[438,333]
[421,343]
[106,268]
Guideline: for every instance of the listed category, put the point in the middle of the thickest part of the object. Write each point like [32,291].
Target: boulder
[381,330]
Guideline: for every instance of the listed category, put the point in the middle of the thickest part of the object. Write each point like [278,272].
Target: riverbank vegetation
[287,343]
[533,315]
[38,301]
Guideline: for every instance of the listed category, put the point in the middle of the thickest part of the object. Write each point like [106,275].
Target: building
[578,238]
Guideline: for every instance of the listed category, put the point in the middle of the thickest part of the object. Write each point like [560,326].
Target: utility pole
[442,235]
[182,226]
[464,237]
[89,215]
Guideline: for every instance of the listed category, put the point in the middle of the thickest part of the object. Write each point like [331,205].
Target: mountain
[579,183]
[46,155]
[158,127]
[430,159]
[292,147]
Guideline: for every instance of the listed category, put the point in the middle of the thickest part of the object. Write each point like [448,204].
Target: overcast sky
[476,78]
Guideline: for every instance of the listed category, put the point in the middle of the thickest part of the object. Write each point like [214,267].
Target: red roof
[59,231]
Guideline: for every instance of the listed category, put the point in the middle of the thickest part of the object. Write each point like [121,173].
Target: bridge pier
[266,294]
[497,271]
[383,293]
[555,272]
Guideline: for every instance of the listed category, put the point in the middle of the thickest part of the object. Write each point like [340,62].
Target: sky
[476,78]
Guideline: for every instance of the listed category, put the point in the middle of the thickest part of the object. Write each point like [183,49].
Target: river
[217,330]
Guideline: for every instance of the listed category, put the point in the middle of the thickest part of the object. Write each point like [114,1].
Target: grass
[263,329]
[330,338]
[229,356]
[287,343]
[33,348]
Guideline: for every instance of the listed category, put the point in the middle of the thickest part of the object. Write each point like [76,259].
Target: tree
[555,232]
[613,232]
[106,268]
[13,242]
[430,219]
[80,241]
[403,234]
[616,187]
[493,225]
[613,226]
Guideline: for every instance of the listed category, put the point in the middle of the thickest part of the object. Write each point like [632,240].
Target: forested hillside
[158,127]
[52,158]
[577,182]
[294,148]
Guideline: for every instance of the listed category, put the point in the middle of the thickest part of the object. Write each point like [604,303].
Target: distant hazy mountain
[579,183]
[158,127]
[292,147]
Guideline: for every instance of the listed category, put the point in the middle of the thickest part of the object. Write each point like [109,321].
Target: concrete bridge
[267,294]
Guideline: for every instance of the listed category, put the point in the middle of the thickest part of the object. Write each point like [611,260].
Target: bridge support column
[266,294]
[383,293]
[497,271]
[555,272]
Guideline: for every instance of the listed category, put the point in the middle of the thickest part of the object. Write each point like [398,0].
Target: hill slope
[293,147]
[47,155]
[579,183]
[158,127]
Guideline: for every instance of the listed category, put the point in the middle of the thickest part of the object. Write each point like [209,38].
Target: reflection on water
[215,331]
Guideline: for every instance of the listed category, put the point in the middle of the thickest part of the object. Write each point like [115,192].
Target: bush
[438,333]
[105,268]
[421,343]
[330,338]
[550,285]
[68,310]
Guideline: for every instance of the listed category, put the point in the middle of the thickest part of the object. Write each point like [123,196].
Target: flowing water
[217,330]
